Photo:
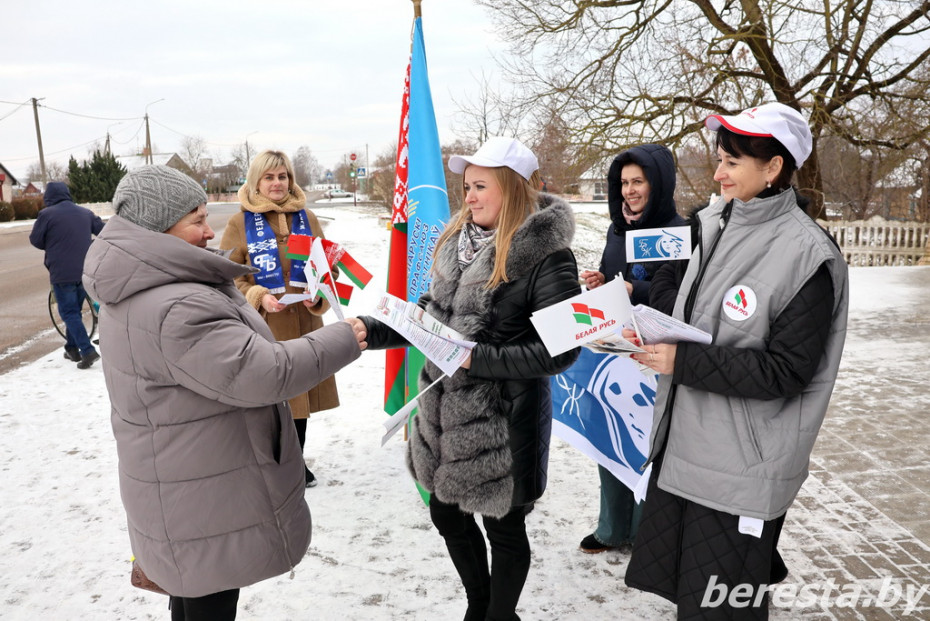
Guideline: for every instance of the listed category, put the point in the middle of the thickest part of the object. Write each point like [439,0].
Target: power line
[13,111]
[32,157]
[138,129]
[88,116]
[215,144]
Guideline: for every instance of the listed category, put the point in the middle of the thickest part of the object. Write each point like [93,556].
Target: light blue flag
[427,199]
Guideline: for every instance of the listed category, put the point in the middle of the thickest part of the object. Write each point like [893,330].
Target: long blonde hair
[519,198]
[265,161]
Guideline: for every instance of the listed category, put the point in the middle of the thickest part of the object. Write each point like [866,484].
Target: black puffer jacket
[668,277]
[481,437]
[658,164]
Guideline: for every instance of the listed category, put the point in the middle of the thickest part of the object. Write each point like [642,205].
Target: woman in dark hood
[640,195]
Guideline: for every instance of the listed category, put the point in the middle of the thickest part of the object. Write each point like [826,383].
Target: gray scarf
[472,238]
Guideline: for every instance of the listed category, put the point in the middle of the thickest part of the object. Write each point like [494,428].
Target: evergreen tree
[95,181]
[77,181]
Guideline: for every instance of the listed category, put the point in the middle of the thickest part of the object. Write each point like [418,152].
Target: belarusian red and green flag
[298,247]
[354,270]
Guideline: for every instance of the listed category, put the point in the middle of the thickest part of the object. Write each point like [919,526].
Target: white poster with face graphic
[664,244]
[602,406]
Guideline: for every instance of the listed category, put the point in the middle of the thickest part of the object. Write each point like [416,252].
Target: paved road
[27,329]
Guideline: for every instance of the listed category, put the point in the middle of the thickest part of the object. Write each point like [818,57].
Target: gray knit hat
[156,197]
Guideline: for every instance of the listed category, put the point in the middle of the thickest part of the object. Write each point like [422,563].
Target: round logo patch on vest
[739,303]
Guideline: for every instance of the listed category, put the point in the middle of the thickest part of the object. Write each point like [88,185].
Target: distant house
[7,181]
[223,178]
[592,184]
[33,189]
[131,162]
[898,195]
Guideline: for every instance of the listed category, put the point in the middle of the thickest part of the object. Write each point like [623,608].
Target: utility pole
[35,113]
[148,141]
[248,154]
[148,137]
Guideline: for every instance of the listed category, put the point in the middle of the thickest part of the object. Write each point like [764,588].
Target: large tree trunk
[810,183]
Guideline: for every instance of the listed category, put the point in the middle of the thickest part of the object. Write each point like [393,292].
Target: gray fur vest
[462,439]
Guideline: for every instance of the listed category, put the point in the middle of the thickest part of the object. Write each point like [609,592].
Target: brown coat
[296,320]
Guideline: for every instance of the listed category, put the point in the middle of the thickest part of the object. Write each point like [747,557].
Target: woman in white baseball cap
[736,420]
[479,442]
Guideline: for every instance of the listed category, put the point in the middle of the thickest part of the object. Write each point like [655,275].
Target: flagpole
[416,9]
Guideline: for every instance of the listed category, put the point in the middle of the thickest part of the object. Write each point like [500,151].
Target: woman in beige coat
[271,199]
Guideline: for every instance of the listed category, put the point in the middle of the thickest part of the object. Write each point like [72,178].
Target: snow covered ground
[374,554]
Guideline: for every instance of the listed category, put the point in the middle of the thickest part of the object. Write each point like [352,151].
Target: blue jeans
[619,517]
[70,297]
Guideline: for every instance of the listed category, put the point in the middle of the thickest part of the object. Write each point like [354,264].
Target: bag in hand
[140,580]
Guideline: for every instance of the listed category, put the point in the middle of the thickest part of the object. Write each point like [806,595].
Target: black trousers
[301,425]
[492,592]
[214,607]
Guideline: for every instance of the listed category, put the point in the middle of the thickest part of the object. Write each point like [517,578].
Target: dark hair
[760,147]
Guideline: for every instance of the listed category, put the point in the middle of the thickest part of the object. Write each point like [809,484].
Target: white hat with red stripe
[771,120]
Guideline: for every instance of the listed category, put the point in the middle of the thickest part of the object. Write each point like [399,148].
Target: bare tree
[240,158]
[194,151]
[628,71]
[381,176]
[561,161]
[56,171]
[341,174]
[307,168]
[487,112]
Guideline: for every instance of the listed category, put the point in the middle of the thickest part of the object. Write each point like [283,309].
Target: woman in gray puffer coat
[480,442]
[211,474]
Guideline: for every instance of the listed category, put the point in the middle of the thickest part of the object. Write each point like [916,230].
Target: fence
[880,242]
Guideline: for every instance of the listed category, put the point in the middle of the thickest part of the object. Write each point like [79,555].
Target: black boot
[88,360]
[465,543]
[72,354]
[477,611]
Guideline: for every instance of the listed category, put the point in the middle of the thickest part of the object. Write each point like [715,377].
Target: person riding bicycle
[64,231]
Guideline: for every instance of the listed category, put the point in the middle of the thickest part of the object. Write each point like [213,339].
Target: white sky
[323,73]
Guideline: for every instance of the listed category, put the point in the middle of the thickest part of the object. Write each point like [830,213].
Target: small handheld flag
[299,247]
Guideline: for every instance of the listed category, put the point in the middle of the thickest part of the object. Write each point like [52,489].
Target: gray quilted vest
[739,455]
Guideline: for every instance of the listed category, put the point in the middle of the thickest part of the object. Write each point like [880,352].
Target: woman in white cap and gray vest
[210,470]
[480,440]
[736,420]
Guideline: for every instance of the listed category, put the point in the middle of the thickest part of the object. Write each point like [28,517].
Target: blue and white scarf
[263,251]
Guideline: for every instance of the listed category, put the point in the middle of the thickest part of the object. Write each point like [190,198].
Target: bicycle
[88,314]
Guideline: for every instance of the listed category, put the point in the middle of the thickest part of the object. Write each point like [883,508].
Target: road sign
[352,157]
[362,172]
[329,174]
